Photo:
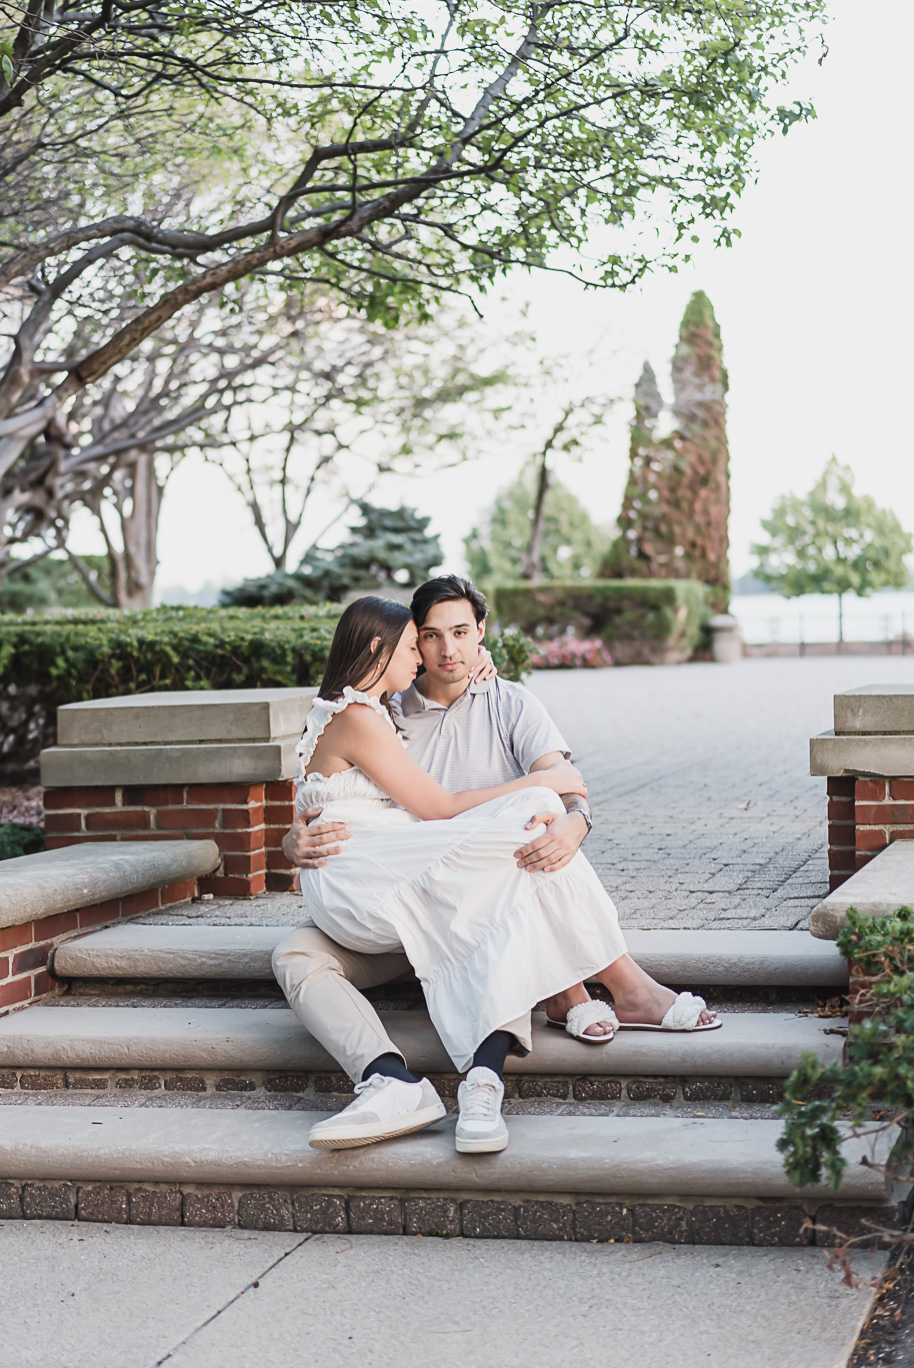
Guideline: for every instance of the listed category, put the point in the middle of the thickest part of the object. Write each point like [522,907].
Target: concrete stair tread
[758,1044]
[137,951]
[604,1155]
[883,885]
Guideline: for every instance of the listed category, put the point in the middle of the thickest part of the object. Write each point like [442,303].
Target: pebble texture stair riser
[568,1087]
[519,1216]
[764,1044]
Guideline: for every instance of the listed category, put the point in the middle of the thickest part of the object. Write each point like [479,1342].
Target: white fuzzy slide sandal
[682,1016]
[587,1014]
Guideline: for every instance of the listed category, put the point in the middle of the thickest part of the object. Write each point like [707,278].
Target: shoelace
[368,1085]
[481,1102]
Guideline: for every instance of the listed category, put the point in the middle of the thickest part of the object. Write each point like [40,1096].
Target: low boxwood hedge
[642,622]
[49,661]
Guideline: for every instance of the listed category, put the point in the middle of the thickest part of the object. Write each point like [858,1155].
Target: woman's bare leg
[636,997]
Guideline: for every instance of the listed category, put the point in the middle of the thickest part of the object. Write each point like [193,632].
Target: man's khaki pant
[322,982]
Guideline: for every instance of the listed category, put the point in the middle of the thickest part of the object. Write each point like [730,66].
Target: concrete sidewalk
[80,1296]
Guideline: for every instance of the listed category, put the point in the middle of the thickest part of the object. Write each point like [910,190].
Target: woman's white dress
[487,940]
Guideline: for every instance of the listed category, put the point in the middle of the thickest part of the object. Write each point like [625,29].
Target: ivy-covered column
[676,506]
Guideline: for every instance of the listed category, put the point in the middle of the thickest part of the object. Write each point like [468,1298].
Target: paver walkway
[704,810]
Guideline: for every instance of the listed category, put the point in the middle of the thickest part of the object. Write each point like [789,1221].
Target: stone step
[751,958]
[749,1044]
[584,1178]
[587,1154]
[883,885]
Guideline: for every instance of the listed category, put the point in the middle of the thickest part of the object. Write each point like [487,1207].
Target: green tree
[833,541]
[392,153]
[572,545]
[53,582]
[390,547]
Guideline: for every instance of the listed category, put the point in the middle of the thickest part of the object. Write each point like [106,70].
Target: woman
[433,873]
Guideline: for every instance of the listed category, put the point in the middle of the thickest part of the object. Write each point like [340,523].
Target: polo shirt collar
[413,702]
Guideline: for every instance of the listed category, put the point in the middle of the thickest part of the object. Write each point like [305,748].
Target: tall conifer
[673,523]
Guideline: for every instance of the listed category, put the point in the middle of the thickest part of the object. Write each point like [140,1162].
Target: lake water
[814,617]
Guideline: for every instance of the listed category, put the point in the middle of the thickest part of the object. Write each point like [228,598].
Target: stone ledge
[168,718]
[878,889]
[569,1154]
[751,958]
[882,757]
[194,763]
[763,1045]
[875,709]
[36,886]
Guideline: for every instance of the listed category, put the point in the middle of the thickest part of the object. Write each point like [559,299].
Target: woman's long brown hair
[353,661]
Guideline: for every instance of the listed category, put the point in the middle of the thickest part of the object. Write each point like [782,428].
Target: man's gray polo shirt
[492,733]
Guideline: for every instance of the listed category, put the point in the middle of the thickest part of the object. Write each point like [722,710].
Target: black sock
[390,1066]
[493,1052]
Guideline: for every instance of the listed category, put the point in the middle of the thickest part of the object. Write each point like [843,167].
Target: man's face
[449,641]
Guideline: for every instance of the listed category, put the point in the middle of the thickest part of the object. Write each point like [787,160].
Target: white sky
[814,303]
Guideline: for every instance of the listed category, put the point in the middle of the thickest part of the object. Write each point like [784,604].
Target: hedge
[642,622]
[48,661]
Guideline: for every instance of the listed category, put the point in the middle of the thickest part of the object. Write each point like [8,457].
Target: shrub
[46,662]
[16,839]
[51,584]
[878,1071]
[649,622]
[568,653]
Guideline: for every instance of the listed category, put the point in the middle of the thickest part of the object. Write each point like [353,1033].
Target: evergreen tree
[391,546]
[833,541]
[676,506]
[572,544]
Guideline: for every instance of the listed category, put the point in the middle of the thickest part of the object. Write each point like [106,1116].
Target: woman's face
[403,665]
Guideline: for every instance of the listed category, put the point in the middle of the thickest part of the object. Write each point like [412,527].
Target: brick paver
[704,810]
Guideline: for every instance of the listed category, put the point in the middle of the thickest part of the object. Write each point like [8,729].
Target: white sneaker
[480,1126]
[383,1108]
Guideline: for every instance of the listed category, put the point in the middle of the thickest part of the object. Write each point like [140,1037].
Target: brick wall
[864,816]
[247,822]
[25,950]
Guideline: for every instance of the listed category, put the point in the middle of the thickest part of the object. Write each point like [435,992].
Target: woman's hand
[484,669]
[561,778]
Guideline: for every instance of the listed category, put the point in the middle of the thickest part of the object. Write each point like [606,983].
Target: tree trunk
[841,622]
[137,501]
[533,557]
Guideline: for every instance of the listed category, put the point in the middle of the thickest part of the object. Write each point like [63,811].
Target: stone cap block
[34,886]
[878,889]
[205,715]
[875,709]
[251,762]
[882,757]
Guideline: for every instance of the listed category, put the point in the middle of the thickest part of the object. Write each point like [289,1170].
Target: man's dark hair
[447,589]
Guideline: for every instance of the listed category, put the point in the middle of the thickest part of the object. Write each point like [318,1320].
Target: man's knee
[302,956]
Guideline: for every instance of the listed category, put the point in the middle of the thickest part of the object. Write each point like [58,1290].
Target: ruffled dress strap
[323,710]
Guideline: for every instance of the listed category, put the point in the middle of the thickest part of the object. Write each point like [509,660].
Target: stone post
[868,761]
[214,765]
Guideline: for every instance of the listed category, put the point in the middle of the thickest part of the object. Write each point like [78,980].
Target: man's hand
[558,843]
[309,847]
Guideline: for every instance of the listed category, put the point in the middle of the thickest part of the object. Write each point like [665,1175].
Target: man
[466,735]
